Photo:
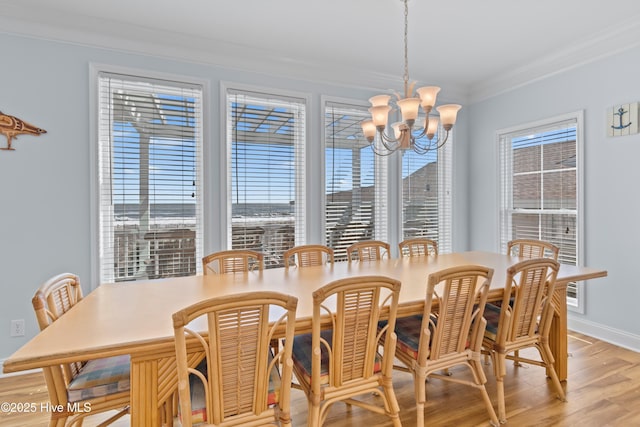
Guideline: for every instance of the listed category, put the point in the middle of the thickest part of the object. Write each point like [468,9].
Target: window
[541,186]
[265,140]
[426,195]
[355,184]
[149,154]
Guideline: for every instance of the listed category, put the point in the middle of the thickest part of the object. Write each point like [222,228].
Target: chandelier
[408,133]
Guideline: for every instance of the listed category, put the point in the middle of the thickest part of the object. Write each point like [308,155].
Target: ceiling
[471,48]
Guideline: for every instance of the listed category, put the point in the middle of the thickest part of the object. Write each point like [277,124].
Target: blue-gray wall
[611,175]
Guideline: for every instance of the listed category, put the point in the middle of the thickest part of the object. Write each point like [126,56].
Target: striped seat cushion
[198,403]
[302,357]
[492,315]
[408,333]
[100,377]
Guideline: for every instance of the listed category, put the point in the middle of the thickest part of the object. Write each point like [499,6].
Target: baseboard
[605,333]
[11,374]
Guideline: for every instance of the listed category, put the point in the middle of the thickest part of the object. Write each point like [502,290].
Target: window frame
[301,194]
[574,304]
[382,210]
[95,70]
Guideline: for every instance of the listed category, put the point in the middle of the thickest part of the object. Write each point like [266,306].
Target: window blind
[426,195]
[150,142]
[540,188]
[355,181]
[266,137]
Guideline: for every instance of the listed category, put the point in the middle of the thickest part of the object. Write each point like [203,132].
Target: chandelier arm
[386,138]
[380,153]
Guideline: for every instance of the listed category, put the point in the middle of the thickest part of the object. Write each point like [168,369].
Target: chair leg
[547,358]
[394,407]
[500,371]
[420,392]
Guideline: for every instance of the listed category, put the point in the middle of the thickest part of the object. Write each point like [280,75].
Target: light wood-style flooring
[603,390]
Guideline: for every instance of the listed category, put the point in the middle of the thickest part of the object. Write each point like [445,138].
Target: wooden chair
[530,248]
[341,363]
[101,384]
[447,334]
[368,250]
[240,383]
[523,320]
[232,261]
[308,255]
[417,247]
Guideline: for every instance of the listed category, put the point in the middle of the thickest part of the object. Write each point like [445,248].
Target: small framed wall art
[622,119]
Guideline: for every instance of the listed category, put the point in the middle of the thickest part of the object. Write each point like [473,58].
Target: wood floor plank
[603,390]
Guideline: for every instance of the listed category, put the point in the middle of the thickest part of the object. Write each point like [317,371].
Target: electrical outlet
[17,328]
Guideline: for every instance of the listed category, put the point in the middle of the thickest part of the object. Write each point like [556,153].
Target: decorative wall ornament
[623,119]
[11,127]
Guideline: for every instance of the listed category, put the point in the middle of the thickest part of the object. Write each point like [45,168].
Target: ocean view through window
[150,144]
[265,140]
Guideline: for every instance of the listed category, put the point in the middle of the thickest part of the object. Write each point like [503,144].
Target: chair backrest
[417,247]
[54,298]
[239,360]
[456,325]
[232,261]
[354,305]
[530,248]
[368,250]
[527,307]
[308,255]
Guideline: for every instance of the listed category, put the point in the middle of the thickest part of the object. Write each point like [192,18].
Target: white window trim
[94,168]
[577,305]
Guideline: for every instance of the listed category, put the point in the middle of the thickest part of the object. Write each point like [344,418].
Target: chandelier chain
[406,48]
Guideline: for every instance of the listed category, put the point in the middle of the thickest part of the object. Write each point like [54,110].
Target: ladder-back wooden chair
[232,261]
[101,384]
[368,250]
[530,248]
[417,247]
[523,320]
[239,380]
[308,256]
[342,363]
[447,334]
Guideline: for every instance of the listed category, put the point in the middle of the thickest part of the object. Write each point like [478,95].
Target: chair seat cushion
[302,357]
[492,315]
[100,377]
[408,333]
[199,405]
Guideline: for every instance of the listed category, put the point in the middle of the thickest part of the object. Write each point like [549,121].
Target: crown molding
[626,36]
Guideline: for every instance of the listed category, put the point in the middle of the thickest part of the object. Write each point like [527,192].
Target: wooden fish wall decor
[11,127]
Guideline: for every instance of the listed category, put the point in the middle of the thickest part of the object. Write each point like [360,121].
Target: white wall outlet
[17,328]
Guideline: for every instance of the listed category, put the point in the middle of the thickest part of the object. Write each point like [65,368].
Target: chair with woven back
[341,363]
[523,320]
[308,256]
[239,380]
[531,248]
[447,334]
[368,250]
[417,247]
[100,384]
[232,261]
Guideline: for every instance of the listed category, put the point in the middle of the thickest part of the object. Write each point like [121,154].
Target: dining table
[134,318]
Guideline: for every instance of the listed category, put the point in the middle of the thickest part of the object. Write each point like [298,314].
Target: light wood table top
[123,318]
[135,317]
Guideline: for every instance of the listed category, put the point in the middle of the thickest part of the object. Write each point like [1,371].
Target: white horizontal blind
[355,181]
[150,144]
[266,137]
[426,195]
[539,182]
